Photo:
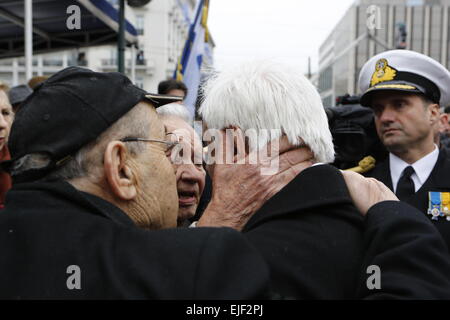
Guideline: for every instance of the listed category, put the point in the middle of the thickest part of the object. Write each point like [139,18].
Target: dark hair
[447,109]
[171,84]
[426,100]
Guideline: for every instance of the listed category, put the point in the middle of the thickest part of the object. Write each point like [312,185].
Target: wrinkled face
[402,120]
[6,119]
[186,160]
[157,197]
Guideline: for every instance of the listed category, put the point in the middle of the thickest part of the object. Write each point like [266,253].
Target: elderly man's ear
[119,175]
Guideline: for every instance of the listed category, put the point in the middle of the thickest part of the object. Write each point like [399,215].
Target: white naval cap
[408,71]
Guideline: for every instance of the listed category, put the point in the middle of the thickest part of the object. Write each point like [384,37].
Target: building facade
[162,27]
[373,26]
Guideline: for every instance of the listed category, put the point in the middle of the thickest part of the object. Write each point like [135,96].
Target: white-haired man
[316,243]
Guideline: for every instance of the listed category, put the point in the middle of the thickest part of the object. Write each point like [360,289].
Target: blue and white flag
[189,67]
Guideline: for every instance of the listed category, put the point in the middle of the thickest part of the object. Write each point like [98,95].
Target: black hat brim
[158,100]
[402,86]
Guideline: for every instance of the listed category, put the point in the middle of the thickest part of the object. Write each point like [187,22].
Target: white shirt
[422,168]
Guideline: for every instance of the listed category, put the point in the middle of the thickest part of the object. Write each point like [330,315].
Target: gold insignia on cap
[393,86]
[383,72]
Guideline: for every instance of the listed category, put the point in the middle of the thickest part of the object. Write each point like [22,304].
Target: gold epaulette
[366,164]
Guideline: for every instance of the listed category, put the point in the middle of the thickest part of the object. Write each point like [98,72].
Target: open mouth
[187,198]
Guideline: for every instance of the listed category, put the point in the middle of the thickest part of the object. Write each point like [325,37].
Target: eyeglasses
[169,144]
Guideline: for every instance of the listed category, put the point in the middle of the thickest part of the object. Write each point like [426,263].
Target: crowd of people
[102,175]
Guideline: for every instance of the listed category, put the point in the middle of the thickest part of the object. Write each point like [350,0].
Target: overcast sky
[284,30]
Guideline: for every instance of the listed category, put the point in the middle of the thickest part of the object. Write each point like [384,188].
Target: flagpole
[133,63]
[121,38]
[28,39]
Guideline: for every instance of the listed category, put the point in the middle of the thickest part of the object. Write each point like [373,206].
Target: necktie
[405,186]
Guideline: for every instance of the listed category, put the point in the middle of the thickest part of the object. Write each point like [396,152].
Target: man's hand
[239,190]
[366,192]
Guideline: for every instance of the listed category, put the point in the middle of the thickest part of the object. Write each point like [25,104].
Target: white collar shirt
[422,168]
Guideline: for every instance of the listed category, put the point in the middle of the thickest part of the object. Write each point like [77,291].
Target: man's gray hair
[175,109]
[89,158]
[266,95]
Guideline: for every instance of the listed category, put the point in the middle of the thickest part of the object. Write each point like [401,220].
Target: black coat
[319,247]
[439,180]
[47,227]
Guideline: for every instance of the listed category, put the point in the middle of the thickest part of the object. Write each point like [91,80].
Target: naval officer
[406,89]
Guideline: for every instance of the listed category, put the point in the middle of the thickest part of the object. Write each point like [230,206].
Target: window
[139,82]
[436,32]
[140,23]
[5,78]
[414,3]
[326,79]
[140,60]
[417,26]
[22,62]
[50,62]
[81,59]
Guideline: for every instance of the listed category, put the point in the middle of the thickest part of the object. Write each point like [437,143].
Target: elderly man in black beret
[92,187]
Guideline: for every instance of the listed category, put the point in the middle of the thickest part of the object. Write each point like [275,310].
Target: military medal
[434,205]
[439,205]
[445,200]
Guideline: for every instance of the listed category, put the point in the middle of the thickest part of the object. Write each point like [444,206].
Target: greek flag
[188,69]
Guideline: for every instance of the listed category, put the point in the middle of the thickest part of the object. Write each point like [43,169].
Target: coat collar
[315,187]
[58,193]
